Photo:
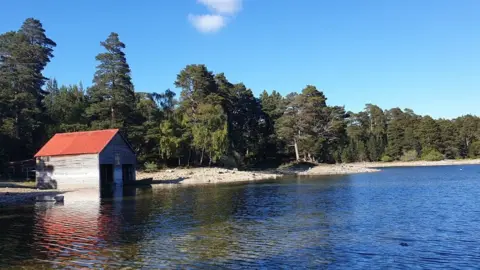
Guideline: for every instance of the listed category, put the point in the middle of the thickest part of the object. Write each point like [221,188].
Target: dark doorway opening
[127,173]
[106,174]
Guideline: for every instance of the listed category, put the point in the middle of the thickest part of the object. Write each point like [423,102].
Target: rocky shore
[219,175]
[12,193]
[338,169]
[206,176]
[420,163]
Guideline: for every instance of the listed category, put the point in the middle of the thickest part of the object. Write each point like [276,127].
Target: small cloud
[228,7]
[207,23]
[222,10]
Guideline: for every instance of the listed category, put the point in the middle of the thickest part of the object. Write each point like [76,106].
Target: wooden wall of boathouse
[68,172]
[118,153]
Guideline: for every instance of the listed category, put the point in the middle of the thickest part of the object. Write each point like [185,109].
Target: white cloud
[221,10]
[207,23]
[228,7]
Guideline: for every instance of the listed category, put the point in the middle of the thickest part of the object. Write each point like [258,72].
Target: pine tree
[23,57]
[112,95]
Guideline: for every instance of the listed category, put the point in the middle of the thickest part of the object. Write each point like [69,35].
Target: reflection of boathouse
[85,159]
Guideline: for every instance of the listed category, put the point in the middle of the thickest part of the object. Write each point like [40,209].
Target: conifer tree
[112,94]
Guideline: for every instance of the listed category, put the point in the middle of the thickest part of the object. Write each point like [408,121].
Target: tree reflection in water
[187,227]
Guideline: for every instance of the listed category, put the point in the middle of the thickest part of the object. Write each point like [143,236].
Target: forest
[211,122]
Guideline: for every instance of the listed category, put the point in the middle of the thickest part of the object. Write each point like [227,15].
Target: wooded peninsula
[211,122]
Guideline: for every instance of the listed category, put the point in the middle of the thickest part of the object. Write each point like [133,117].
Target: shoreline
[19,196]
[421,163]
[12,193]
[215,175]
[211,175]
[371,167]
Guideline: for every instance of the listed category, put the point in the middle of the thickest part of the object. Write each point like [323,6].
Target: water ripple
[395,219]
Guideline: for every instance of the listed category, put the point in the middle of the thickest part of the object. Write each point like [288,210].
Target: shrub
[386,158]
[410,155]
[150,167]
[432,155]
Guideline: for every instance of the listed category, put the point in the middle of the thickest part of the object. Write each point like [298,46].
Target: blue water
[424,217]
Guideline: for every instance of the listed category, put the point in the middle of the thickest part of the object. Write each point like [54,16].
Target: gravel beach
[11,193]
[206,176]
[219,175]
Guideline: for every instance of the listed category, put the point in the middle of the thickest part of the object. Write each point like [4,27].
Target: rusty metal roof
[77,143]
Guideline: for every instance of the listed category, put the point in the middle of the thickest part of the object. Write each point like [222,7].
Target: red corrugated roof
[77,143]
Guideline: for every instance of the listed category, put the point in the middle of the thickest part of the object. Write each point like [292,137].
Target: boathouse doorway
[106,174]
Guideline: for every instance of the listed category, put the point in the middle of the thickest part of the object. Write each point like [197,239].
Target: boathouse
[90,159]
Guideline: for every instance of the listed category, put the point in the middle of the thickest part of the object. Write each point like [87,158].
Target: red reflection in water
[76,232]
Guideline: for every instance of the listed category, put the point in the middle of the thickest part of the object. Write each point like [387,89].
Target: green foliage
[474,150]
[150,167]
[410,155]
[23,56]
[432,155]
[213,121]
[112,97]
[386,158]
[314,130]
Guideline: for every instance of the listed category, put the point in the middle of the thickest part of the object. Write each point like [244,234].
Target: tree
[287,127]
[449,138]
[196,83]
[429,134]
[314,130]
[395,133]
[23,57]
[468,127]
[210,132]
[169,139]
[214,121]
[202,106]
[357,132]
[65,107]
[377,132]
[112,95]
[273,105]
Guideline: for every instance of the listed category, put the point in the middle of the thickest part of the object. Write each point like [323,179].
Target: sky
[418,54]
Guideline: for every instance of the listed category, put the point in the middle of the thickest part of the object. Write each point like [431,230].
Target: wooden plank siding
[83,170]
[66,172]
[118,147]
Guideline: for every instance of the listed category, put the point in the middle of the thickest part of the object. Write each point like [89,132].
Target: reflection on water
[397,218]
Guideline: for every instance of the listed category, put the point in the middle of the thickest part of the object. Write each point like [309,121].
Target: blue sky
[418,54]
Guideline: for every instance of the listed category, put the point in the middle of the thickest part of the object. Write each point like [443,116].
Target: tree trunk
[210,159]
[189,157]
[17,128]
[201,156]
[296,149]
[112,120]
[179,162]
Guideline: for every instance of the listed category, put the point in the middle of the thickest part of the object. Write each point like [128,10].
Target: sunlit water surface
[399,218]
